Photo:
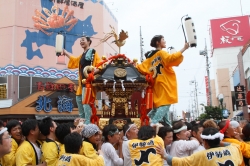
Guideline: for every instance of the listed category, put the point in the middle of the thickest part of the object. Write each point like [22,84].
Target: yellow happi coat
[229,155]
[143,152]
[165,86]
[50,151]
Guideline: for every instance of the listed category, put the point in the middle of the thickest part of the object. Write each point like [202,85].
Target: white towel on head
[234,124]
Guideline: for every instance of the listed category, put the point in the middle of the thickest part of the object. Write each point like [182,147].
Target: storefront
[54,99]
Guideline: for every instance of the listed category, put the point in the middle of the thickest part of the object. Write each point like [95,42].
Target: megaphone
[60,43]
[190,31]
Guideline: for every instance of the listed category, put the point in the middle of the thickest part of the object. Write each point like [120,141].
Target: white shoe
[157,125]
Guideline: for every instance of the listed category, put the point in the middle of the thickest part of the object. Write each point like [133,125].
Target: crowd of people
[197,143]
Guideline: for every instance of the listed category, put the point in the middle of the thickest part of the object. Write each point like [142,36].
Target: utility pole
[141,45]
[196,102]
[204,52]
[196,112]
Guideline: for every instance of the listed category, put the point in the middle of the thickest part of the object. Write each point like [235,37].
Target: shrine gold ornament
[120,72]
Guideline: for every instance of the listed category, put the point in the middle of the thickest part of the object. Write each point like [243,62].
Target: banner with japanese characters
[230,32]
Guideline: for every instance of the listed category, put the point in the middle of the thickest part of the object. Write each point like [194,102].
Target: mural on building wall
[51,20]
[38,71]
[31,42]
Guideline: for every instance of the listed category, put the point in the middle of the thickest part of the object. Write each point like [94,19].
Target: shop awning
[58,117]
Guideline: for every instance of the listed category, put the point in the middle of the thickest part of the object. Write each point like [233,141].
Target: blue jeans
[158,114]
[84,109]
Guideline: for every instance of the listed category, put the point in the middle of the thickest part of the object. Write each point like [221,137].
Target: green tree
[203,116]
[212,112]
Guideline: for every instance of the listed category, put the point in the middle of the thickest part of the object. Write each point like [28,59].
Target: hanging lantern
[60,43]
[190,31]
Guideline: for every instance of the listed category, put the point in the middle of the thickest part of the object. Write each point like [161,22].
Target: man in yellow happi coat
[89,57]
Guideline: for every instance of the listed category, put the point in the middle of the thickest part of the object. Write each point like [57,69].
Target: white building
[228,36]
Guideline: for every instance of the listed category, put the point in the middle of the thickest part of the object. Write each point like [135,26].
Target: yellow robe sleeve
[96,60]
[10,159]
[244,147]
[143,68]
[74,62]
[171,59]
[88,150]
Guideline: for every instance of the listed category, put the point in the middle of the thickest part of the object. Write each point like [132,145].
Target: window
[3,91]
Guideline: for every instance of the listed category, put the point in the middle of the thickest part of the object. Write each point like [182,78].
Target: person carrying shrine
[89,57]
[214,155]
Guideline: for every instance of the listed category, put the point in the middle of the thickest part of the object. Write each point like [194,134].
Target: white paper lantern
[59,44]
[190,32]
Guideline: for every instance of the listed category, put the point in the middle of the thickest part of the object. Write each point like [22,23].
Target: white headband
[212,137]
[3,130]
[125,138]
[180,129]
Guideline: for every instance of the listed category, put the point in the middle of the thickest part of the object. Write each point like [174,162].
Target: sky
[164,17]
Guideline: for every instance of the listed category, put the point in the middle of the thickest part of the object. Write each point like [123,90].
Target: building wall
[30,51]
[225,61]
[246,64]
[224,87]
[225,58]
[24,45]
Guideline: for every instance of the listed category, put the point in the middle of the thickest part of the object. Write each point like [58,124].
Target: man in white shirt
[182,146]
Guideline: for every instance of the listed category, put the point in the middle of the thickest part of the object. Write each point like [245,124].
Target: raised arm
[73,61]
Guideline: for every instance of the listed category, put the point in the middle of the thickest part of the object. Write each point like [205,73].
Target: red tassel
[94,118]
[149,98]
[144,118]
[87,94]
